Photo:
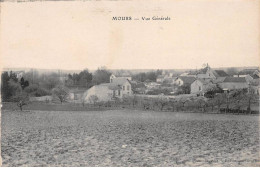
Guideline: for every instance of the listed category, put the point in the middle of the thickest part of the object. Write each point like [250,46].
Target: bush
[20,97]
[42,92]
[35,90]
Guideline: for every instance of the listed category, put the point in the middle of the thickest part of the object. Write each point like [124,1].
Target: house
[125,84]
[167,77]
[76,94]
[160,79]
[19,74]
[200,86]
[118,88]
[206,73]
[254,73]
[151,85]
[234,83]
[181,80]
[249,74]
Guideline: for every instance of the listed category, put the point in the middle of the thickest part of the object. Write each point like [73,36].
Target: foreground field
[128,138]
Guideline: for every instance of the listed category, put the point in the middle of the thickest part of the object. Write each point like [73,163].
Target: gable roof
[120,80]
[235,80]
[111,86]
[219,80]
[221,73]
[255,76]
[187,80]
[205,81]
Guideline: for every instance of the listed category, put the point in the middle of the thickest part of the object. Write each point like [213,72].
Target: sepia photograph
[130,83]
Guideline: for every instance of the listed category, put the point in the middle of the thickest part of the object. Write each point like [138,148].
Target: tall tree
[102,75]
[85,78]
[5,88]
[61,92]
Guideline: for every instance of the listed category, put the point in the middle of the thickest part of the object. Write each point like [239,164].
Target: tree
[162,101]
[61,92]
[36,90]
[212,90]
[23,99]
[33,77]
[85,78]
[50,82]
[101,76]
[132,99]
[232,71]
[237,97]
[24,83]
[250,97]
[146,103]
[5,88]
[173,103]
[183,101]
[202,102]
[219,99]
[13,76]
[15,89]
[184,89]
[142,77]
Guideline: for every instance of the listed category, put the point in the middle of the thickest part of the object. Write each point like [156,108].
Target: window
[128,87]
[118,92]
[123,87]
[199,88]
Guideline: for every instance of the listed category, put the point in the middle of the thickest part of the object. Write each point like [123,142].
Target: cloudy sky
[78,35]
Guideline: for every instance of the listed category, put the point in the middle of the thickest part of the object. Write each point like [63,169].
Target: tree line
[34,84]
[235,101]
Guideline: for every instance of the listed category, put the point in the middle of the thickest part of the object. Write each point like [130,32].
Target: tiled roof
[235,79]
[255,76]
[187,80]
[219,80]
[120,80]
[221,73]
[205,81]
[111,86]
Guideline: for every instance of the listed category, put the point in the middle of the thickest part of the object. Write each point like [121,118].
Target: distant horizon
[78,70]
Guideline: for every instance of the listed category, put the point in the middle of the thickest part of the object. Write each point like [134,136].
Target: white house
[200,86]
[160,78]
[254,73]
[207,73]
[119,88]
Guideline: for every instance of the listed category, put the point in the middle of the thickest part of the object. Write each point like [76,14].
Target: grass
[128,138]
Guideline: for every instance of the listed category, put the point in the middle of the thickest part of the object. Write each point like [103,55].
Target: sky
[81,34]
